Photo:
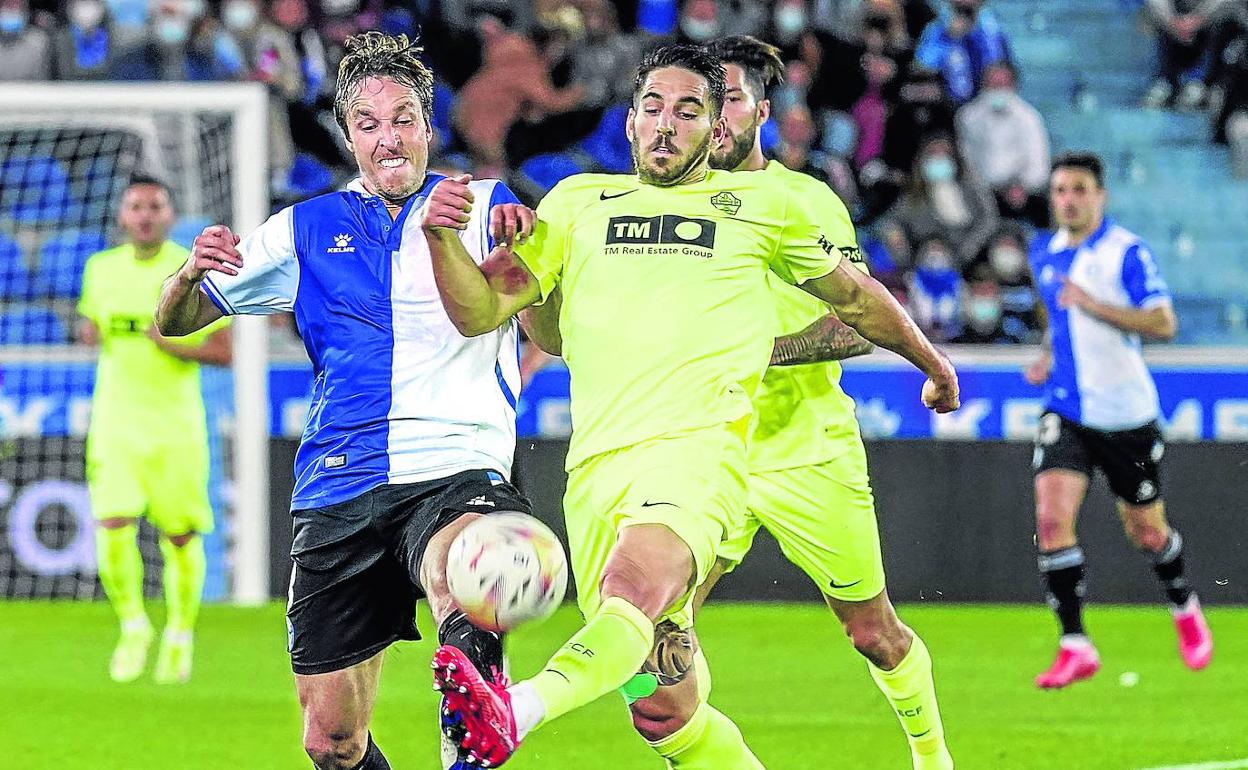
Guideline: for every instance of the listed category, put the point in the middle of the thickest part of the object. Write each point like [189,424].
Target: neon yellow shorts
[691,482]
[167,483]
[823,517]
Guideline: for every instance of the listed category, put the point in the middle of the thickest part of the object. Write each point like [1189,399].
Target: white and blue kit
[411,423]
[1101,406]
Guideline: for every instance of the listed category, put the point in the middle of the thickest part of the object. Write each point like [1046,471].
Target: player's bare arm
[864,303]
[88,332]
[1157,322]
[828,339]
[217,350]
[541,324]
[477,298]
[183,308]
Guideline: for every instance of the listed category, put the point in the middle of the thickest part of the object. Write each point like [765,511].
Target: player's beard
[741,147]
[674,175]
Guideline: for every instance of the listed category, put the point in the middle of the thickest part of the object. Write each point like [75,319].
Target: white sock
[1075,641]
[527,706]
[1192,605]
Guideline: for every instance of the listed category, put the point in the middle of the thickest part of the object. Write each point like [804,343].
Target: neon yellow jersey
[802,416]
[667,316]
[143,396]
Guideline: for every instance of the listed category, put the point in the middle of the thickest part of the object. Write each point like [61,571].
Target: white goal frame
[248,103]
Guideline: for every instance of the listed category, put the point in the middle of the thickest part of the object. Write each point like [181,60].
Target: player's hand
[1037,372]
[512,223]
[1072,295]
[213,250]
[449,204]
[941,393]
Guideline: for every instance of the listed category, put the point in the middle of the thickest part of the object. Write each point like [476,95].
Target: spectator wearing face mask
[944,200]
[1004,141]
[1184,30]
[934,290]
[1006,266]
[85,49]
[961,45]
[25,50]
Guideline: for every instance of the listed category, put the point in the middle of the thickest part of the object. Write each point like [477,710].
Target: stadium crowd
[907,108]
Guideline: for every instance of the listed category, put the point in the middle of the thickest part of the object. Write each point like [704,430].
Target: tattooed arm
[828,339]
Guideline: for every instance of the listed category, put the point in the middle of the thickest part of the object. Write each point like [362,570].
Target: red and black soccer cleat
[1075,662]
[484,708]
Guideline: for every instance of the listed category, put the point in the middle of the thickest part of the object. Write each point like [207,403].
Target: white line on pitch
[1233,764]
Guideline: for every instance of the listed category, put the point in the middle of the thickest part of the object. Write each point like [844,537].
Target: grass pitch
[783,672]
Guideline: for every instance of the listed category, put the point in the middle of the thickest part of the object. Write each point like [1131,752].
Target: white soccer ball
[505,570]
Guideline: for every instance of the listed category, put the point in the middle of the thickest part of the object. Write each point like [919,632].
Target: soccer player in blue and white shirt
[1102,293]
[412,427]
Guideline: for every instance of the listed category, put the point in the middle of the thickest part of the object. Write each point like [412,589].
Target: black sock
[483,648]
[373,758]
[1168,564]
[1065,586]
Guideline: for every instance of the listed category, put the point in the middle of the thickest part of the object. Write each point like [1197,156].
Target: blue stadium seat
[307,177]
[186,228]
[607,144]
[61,260]
[545,171]
[443,106]
[15,279]
[32,326]
[35,189]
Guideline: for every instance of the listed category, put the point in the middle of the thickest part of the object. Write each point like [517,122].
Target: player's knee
[181,540]
[334,750]
[1053,528]
[1146,536]
[883,640]
[649,583]
[658,718]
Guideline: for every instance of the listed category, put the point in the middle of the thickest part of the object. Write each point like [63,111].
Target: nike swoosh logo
[835,584]
[602,196]
[920,735]
[648,504]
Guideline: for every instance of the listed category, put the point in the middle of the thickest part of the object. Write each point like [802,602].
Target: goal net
[66,155]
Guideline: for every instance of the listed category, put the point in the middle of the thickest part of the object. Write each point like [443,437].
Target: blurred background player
[1102,292]
[412,430]
[147,447]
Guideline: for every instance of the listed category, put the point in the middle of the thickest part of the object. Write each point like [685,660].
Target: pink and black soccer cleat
[1075,662]
[484,708]
[1195,638]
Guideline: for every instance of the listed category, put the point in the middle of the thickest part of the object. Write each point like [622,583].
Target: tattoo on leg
[671,658]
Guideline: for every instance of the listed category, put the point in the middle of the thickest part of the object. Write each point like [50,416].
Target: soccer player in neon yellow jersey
[666,321]
[147,446]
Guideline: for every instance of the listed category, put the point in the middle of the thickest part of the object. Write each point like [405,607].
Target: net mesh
[62,174]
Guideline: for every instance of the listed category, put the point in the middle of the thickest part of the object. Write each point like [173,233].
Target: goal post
[201,138]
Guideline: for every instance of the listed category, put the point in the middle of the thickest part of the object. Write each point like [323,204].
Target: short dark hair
[139,179]
[696,59]
[759,61]
[1088,161]
[378,55]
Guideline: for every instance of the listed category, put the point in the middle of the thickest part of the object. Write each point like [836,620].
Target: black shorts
[356,573]
[1130,459]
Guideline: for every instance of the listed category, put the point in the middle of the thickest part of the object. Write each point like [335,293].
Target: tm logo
[341,245]
[668,229]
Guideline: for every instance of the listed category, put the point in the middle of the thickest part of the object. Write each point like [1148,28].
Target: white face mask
[699,30]
[339,7]
[172,30]
[998,98]
[86,14]
[239,15]
[1007,262]
[790,19]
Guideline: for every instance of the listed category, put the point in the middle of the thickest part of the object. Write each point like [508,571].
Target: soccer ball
[505,570]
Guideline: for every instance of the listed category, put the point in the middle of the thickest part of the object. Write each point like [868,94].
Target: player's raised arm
[865,304]
[182,307]
[477,298]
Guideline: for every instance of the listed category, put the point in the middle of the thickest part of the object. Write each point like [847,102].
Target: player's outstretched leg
[184,570]
[1146,527]
[901,667]
[648,570]
[121,573]
[1059,493]
[668,701]
[337,707]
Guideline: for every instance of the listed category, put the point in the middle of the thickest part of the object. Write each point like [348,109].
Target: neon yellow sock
[183,578]
[708,741]
[912,693]
[599,658]
[702,670]
[121,570]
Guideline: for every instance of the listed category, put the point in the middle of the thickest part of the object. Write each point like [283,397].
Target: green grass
[784,673]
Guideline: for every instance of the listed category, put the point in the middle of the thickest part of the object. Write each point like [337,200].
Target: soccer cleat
[173,662]
[483,707]
[1075,662]
[130,654]
[1195,638]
